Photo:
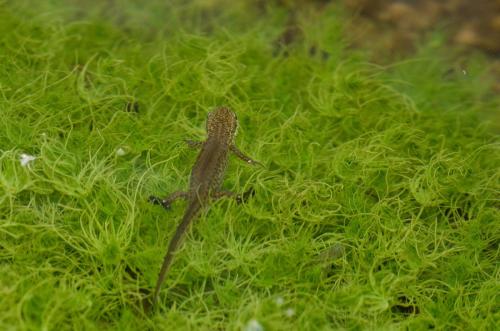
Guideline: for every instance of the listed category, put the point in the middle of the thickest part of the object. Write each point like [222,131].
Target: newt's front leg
[194,143]
[242,156]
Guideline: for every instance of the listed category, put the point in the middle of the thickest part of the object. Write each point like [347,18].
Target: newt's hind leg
[167,201]
[238,197]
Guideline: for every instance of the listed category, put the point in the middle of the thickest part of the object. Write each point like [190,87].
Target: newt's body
[206,178]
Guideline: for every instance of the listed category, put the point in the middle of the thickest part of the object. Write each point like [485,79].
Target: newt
[205,185]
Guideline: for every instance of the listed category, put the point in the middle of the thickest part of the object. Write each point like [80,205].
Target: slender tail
[192,211]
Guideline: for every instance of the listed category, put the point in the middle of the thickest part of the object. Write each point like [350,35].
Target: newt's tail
[193,209]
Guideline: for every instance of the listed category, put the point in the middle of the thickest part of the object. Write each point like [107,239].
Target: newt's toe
[154,200]
[244,197]
[165,204]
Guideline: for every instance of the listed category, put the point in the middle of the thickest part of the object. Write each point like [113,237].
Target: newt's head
[222,123]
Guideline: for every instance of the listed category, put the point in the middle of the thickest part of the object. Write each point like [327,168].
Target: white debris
[120,152]
[280,301]
[254,325]
[290,312]
[26,158]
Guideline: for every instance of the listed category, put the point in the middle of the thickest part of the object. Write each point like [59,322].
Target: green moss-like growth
[377,208]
